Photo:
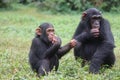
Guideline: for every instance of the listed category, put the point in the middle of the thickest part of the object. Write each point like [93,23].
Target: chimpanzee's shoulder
[36,40]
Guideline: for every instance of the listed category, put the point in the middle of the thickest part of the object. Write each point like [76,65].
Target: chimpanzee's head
[45,31]
[93,17]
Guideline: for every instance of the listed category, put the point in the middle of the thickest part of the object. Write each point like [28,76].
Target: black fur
[44,55]
[98,50]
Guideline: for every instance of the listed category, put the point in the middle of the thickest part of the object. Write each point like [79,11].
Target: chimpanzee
[46,50]
[96,42]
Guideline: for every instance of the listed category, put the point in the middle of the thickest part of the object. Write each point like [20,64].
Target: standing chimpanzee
[45,50]
[96,42]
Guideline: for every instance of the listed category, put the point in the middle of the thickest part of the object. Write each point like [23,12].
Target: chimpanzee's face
[95,21]
[50,33]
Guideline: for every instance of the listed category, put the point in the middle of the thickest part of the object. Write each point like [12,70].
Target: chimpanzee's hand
[54,39]
[73,43]
[95,32]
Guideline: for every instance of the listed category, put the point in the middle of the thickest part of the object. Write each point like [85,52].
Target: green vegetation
[66,6]
[17,28]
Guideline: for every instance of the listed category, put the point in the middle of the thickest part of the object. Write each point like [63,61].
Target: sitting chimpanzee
[46,50]
[96,42]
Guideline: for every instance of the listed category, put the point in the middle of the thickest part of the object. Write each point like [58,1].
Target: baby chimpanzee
[46,49]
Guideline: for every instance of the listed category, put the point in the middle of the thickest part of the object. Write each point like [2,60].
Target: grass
[17,28]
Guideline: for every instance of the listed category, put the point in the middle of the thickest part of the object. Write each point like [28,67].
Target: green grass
[17,28]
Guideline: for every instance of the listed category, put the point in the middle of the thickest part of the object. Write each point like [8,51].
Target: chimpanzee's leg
[44,68]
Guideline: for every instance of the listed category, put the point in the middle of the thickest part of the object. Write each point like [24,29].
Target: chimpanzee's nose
[96,24]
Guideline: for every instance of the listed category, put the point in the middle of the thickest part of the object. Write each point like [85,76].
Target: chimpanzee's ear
[38,31]
[84,15]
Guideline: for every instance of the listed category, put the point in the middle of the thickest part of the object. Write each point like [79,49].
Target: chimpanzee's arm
[107,44]
[81,33]
[108,36]
[33,58]
[52,50]
[63,50]
[83,36]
